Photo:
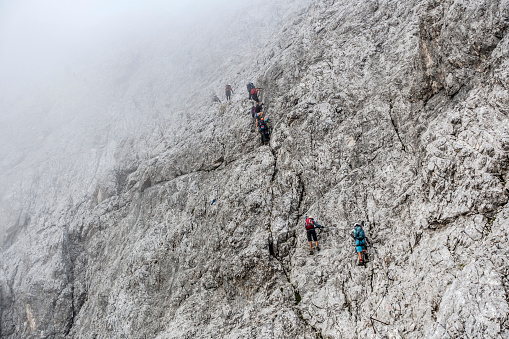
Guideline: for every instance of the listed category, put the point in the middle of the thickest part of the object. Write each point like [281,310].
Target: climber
[258,113]
[228,91]
[254,94]
[215,98]
[259,108]
[257,117]
[250,86]
[264,130]
[360,242]
[311,224]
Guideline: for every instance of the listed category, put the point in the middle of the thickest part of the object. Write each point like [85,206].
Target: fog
[67,88]
[41,38]
[63,62]
[78,79]
[48,47]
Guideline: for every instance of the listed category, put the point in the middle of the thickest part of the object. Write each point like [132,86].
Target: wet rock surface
[391,112]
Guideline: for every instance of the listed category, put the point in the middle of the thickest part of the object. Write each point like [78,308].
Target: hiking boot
[317,248]
[360,263]
[311,252]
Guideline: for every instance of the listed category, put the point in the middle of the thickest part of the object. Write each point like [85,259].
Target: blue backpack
[359,233]
[359,236]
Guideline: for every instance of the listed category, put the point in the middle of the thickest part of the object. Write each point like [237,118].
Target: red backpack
[310,223]
[254,91]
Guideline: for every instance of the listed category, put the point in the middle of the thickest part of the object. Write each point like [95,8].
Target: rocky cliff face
[391,112]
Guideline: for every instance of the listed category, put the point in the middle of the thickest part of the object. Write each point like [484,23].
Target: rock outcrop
[391,112]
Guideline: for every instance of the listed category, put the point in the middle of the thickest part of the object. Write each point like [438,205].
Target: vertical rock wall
[391,112]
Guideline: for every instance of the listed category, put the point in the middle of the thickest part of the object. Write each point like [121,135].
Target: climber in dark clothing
[264,129]
[228,91]
[250,86]
[260,120]
[255,110]
[311,234]
[215,98]
[360,241]
[257,116]
[259,108]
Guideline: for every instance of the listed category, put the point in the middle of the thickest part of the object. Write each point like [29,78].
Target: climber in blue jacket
[360,241]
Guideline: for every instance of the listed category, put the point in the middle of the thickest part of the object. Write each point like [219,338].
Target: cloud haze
[78,79]
[75,77]
[37,38]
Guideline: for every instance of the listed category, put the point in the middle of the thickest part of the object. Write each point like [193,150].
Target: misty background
[88,88]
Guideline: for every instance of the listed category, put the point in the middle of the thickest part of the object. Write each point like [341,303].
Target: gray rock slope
[391,112]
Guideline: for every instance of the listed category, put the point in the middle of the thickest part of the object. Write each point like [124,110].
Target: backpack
[310,224]
[254,91]
[262,125]
[228,87]
[359,233]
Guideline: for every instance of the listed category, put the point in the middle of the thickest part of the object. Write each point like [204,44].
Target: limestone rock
[391,112]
